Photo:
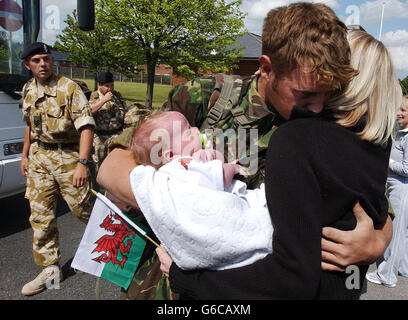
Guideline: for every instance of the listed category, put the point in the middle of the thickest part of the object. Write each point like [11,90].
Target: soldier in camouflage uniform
[108,109]
[57,145]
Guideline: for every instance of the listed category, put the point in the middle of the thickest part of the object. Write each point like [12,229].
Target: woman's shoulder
[309,128]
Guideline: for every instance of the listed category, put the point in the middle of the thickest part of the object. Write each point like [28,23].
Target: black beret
[35,48]
[105,77]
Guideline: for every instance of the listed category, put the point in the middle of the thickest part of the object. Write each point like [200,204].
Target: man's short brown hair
[308,35]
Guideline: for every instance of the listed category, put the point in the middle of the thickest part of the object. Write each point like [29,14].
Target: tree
[193,36]
[404,85]
[97,49]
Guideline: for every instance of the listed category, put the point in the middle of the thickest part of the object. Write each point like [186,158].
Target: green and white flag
[112,244]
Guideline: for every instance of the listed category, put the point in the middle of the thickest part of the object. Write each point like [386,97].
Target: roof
[60,56]
[251,44]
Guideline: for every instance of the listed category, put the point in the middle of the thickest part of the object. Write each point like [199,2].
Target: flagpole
[111,205]
[382,18]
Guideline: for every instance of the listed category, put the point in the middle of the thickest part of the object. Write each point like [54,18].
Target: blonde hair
[373,97]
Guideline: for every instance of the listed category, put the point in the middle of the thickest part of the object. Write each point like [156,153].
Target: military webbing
[215,113]
[239,116]
[227,100]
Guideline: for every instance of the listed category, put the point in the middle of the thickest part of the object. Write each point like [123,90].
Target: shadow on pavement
[16,212]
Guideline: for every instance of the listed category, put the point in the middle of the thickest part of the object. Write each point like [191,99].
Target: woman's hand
[165,260]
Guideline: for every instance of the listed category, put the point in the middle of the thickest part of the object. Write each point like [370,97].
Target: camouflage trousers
[50,174]
[100,147]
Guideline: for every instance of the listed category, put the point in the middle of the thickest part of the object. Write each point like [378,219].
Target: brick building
[251,45]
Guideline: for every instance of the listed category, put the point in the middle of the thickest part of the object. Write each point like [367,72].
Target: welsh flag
[111,246]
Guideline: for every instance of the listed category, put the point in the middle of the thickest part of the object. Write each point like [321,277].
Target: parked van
[11,144]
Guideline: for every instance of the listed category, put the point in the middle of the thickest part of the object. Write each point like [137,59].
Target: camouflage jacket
[111,115]
[56,110]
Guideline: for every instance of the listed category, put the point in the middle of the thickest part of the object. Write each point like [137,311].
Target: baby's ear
[167,155]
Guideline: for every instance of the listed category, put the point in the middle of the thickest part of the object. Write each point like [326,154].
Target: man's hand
[24,166]
[107,97]
[363,245]
[165,260]
[80,175]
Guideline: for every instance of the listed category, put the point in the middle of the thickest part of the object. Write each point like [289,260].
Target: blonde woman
[395,259]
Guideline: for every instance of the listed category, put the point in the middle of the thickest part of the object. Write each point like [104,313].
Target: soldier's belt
[56,146]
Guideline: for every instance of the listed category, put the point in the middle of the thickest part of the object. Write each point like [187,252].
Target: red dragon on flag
[111,245]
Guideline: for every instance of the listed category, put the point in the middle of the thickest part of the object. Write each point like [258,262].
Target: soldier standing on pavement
[108,109]
[57,145]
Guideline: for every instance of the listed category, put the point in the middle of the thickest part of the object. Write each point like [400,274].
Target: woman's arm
[401,168]
[114,173]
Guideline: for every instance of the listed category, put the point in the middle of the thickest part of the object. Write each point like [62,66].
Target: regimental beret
[35,48]
[105,77]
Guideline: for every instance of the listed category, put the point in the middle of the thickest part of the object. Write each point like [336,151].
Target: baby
[166,138]
[215,222]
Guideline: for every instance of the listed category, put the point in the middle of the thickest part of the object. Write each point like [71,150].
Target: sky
[365,13]
[368,14]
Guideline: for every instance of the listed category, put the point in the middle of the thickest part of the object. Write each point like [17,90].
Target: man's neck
[44,81]
[260,87]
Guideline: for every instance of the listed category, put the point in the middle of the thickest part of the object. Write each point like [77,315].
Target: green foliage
[404,85]
[3,54]
[98,49]
[193,36]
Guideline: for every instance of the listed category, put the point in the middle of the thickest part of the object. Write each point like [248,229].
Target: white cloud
[397,45]
[393,9]
[395,38]
[257,10]
[399,57]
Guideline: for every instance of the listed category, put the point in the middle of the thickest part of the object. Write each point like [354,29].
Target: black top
[315,171]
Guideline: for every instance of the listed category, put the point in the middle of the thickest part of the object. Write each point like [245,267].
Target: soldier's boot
[49,277]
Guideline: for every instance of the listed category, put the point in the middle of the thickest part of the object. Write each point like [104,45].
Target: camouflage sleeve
[121,99]
[80,110]
[120,141]
[191,99]
[94,97]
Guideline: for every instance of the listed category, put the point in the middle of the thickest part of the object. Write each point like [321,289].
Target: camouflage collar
[256,104]
[49,88]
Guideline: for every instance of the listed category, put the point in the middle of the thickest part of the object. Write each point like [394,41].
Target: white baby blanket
[201,227]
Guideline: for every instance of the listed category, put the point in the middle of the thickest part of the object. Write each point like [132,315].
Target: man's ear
[265,67]
[167,156]
[26,64]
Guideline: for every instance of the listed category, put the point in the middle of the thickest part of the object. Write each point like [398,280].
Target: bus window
[11,36]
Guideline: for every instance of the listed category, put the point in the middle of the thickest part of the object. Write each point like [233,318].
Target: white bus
[19,26]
